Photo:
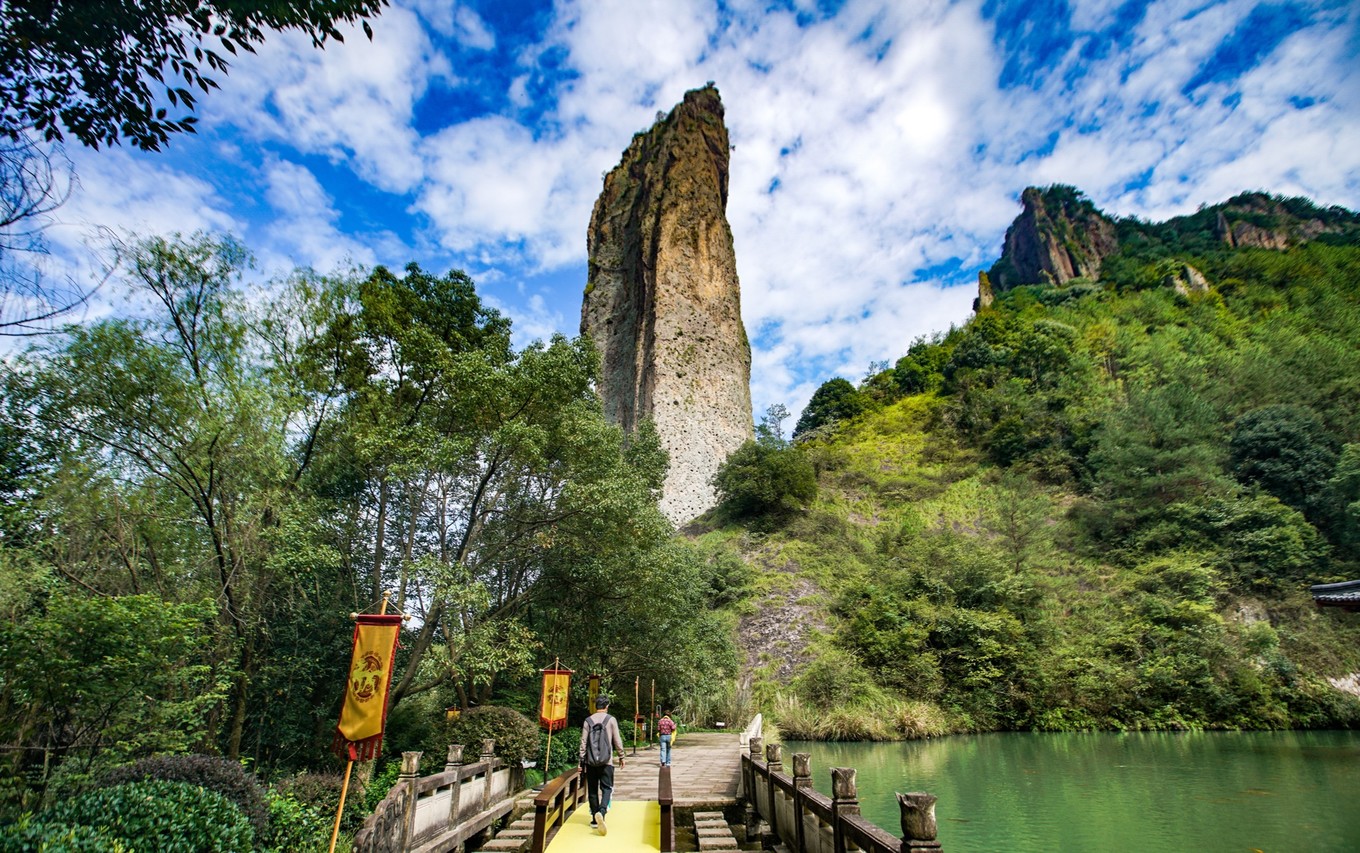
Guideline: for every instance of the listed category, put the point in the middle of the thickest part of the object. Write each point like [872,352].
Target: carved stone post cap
[774,753]
[455,753]
[756,744]
[410,763]
[488,747]
[843,784]
[802,764]
[918,816]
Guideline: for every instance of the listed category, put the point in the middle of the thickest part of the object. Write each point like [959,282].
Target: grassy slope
[955,590]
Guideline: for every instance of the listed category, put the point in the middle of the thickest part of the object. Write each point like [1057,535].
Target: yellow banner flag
[552,706]
[359,734]
[592,690]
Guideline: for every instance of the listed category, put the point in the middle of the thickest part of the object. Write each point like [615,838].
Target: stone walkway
[705,767]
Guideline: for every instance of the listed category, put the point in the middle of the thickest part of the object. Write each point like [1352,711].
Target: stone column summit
[663,303]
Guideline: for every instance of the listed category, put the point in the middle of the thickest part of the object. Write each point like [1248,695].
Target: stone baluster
[455,762]
[410,776]
[774,757]
[802,781]
[774,763]
[489,759]
[756,745]
[919,829]
[844,802]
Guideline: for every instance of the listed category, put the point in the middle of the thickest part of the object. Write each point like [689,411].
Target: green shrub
[182,818]
[227,778]
[834,679]
[765,481]
[297,824]
[27,835]
[565,749]
[516,735]
[381,783]
[321,791]
[835,401]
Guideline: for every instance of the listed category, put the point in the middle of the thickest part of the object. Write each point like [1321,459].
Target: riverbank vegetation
[1094,506]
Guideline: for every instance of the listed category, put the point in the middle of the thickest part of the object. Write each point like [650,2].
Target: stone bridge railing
[442,811]
[809,822]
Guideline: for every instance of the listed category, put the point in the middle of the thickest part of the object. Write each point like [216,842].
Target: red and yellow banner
[358,737]
[552,707]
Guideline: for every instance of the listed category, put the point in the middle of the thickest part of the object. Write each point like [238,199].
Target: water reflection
[1269,791]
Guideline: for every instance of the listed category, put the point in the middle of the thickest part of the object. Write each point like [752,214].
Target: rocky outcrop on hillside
[663,303]
[1256,219]
[1058,236]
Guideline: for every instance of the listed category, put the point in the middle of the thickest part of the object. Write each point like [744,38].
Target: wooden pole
[636,682]
[344,789]
[349,765]
[547,756]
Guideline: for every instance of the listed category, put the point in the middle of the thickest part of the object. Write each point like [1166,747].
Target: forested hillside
[1098,504]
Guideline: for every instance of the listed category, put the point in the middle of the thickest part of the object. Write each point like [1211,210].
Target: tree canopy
[210,484]
[115,70]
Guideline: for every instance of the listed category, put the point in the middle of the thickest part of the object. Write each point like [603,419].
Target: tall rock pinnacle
[663,303]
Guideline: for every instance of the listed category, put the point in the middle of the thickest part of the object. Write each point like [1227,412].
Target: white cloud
[353,102]
[126,191]
[456,21]
[307,218]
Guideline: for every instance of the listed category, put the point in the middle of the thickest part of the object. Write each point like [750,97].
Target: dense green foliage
[224,777]
[198,492]
[515,735]
[182,818]
[836,400]
[89,69]
[762,480]
[1097,506]
[302,808]
[26,835]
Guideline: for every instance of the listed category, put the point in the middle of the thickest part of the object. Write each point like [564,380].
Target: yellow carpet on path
[633,825]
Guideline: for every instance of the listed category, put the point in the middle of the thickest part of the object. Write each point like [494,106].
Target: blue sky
[880,147]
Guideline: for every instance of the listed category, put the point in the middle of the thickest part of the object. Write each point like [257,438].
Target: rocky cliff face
[663,303]
[1256,219]
[1058,236]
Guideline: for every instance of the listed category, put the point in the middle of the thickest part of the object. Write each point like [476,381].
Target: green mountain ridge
[1098,504]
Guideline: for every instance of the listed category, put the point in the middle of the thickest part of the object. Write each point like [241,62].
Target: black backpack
[599,751]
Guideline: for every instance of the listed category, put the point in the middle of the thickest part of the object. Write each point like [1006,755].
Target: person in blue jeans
[666,728]
[600,739]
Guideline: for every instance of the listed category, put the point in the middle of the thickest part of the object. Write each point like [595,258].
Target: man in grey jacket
[596,756]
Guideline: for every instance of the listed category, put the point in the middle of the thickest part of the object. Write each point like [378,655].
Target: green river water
[1274,792]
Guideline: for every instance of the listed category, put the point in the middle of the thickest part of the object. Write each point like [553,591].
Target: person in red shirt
[666,728]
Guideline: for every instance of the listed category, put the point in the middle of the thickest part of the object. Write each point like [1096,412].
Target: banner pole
[547,755]
[344,789]
[349,765]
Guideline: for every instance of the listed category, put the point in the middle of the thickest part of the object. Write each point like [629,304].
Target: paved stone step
[510,845]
